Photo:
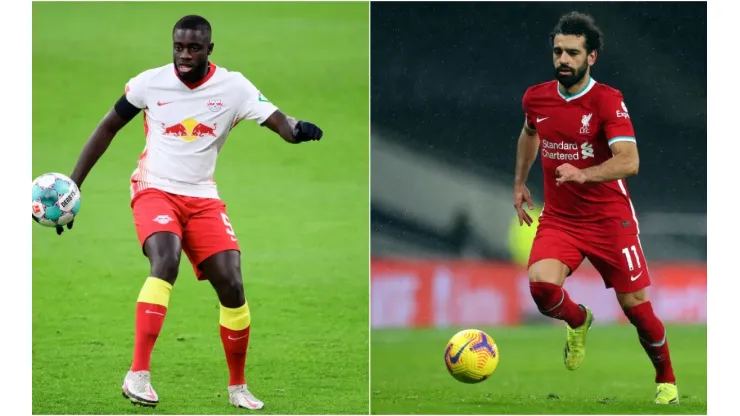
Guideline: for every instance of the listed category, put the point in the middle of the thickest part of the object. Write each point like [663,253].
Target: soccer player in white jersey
[190,106]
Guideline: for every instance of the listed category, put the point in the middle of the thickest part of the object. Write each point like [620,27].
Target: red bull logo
[189,130]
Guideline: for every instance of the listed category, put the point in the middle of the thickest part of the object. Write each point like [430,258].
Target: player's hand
[569,173]
[305,131]
[522,195]
[60,229]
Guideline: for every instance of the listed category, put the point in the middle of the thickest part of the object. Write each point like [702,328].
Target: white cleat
[137,387]
[240,397]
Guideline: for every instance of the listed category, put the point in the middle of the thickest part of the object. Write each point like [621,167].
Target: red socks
[151,309]
[553,301]
[653,339]
[235,324]
[235,346]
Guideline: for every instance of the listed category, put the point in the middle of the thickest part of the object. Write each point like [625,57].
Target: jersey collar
[579,94]
[194,85]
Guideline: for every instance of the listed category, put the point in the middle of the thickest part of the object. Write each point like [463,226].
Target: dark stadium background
[447,81]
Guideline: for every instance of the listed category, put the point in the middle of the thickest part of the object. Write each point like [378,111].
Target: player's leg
[553,257]
[158,228]
[210,243]
[223,271]
[623,266]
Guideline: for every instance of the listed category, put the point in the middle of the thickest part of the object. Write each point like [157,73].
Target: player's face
[191,49]
[571,60]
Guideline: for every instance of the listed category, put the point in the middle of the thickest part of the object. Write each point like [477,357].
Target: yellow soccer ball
[471,356]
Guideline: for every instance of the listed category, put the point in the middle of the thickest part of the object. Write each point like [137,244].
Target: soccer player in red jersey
[583,133]
[190,106]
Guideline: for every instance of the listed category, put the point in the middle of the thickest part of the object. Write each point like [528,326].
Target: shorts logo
[163,219]
[585,121]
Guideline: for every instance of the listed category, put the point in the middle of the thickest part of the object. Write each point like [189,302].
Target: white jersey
[187,124]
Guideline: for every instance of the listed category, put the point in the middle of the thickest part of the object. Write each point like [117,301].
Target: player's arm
[118,116]
[620,134]
[624,162]
[258,108]
[292,130]
[526,153]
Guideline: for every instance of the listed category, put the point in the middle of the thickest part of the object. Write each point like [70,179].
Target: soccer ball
[55,199]
[471,356]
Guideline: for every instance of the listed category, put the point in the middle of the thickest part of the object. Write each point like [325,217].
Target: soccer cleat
[240,397]
[667,394]
[575,344]
[137,387]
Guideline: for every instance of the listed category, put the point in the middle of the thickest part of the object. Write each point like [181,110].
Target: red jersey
[578,129]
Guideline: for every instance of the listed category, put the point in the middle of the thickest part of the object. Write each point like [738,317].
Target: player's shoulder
[237,82]
[237,78]
[541,89]
[603,90]
[151,73]
[138,85]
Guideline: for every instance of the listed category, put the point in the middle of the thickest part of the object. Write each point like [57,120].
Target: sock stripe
[155,291]
[656,344]
[235,319]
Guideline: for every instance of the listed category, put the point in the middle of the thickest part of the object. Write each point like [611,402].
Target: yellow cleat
[667,394]
[575,344]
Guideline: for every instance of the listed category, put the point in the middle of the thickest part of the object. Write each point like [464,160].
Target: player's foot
[575,344]
[240,397]
[667,394]
[137,387]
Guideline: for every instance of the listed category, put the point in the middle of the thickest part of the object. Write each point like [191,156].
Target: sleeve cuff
[621,139]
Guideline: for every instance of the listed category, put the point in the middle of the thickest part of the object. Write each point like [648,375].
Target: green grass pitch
[409,375]
[300,211]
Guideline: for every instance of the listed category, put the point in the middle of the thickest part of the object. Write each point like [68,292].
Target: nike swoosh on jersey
[539,120]
[160,103]
[633,278]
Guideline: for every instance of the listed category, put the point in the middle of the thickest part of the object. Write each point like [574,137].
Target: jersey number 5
[628,256]
[230,229]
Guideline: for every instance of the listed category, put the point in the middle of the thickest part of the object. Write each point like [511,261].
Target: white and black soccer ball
[55,199]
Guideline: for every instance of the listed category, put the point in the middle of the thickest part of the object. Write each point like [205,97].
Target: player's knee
[548,271]
[538,275]
[165,266]
[630,300]
[234,281]
[535,275]
[230,287]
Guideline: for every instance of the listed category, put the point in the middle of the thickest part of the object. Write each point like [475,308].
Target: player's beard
[573,78]
[195,74]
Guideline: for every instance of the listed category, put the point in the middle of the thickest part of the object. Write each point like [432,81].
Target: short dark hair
[580,24]
[193,22]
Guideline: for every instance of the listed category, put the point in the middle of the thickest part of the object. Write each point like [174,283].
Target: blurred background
[447,80]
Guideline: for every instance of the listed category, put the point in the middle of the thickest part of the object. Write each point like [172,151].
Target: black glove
[305,131]
[60,229]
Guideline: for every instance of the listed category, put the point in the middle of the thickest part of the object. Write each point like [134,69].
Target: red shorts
[201,223]
[618,258]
